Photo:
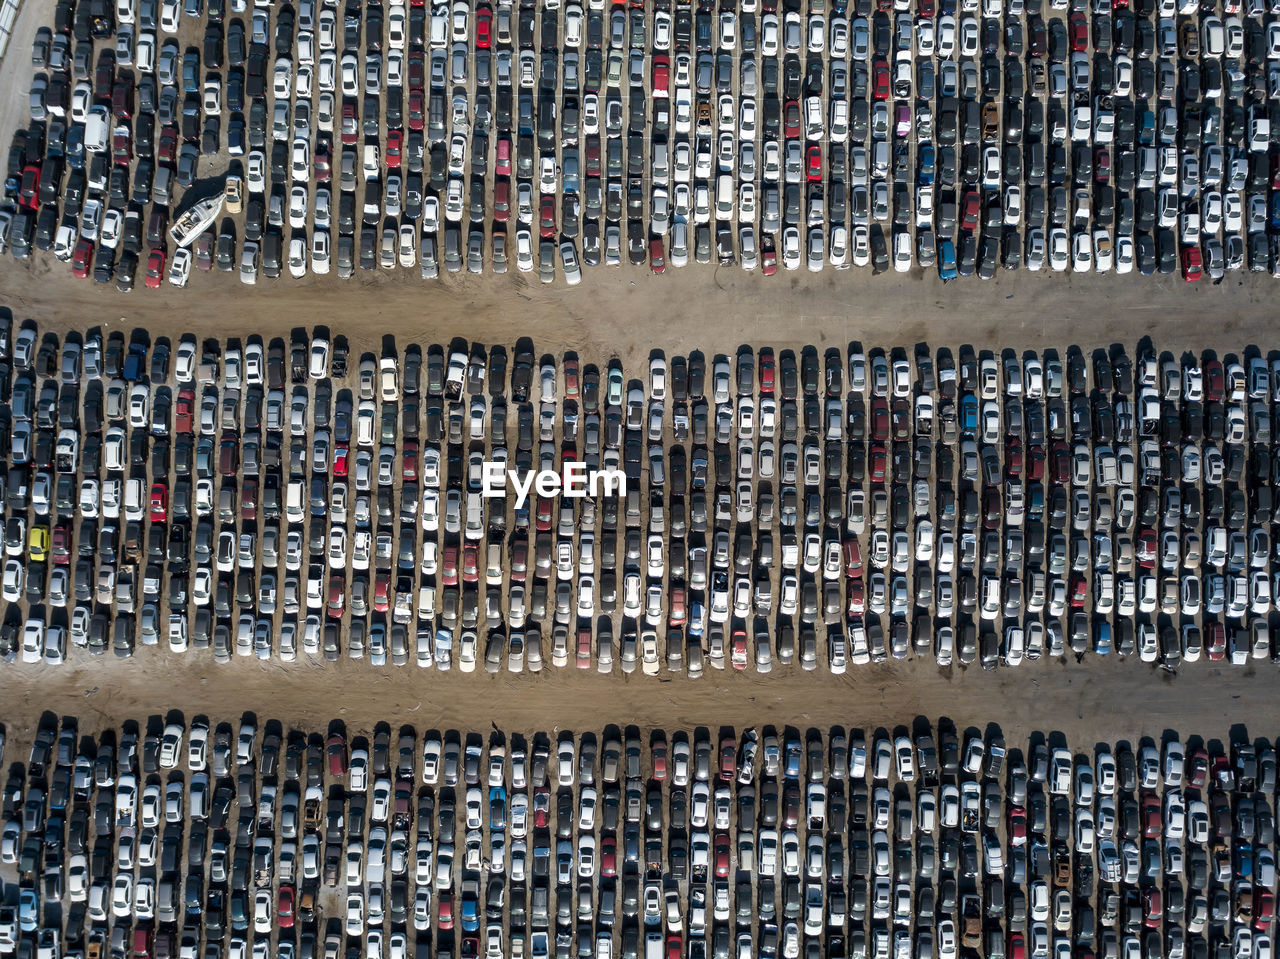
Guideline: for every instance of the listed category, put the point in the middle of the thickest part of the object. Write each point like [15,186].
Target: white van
[726,196]
[293,499]
[134,498]
[97,129]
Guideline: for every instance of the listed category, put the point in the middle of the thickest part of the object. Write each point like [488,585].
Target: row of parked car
[958,138]
[166,838]
[271,498]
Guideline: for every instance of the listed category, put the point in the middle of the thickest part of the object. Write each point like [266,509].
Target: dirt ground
[1099,699]
[626,312]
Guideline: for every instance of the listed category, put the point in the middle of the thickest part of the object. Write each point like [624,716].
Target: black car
[126,271]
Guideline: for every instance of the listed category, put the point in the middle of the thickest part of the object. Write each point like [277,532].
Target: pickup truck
[1061,865]
[311,809]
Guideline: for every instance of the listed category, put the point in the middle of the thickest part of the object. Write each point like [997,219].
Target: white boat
[195,221]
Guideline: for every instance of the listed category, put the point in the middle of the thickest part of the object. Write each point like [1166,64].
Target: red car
[879,419]
[1013,458]
[1079,591]
[444,919]
[571,380]
[484,27]
[1198,769]
[547,216]
[791,120]
[878,463]
[167,149]
[184,417]
[969,211]
[284,908]
[1214,381]
[1152,907]
[658,755]
[768,256]
[661,74]
[1192,264]
[1035,464]
[657,256]
[1102,165]
[503,164]
[853,558]
[738,650]
[350,124]
[728,758]
[1264,909]
[608,855]
[409,461]
[1146,548]
[814,165]
[382,591]
[60,545]
[1152,825]
[30,191]
[416,109]
[856,594]
[82,259]
[1017,946]
[1215,641]
[584,647]
[323,161]
[1078,27]
[155,269]
[394,141]
[336,747]
[1061,463]
[722,855]
[470,563]
[541,806]
[502,199]
[337,597]
[340,456]
[159,502]
[880,78]
[1017,826]
[766,371]
[676,604]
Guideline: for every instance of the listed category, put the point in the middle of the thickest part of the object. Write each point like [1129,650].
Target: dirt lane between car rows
[1099,699]
[626,312]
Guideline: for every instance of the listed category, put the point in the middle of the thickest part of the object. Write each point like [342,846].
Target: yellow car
[38,544]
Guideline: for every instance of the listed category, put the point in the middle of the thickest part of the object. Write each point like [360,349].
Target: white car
[180,268]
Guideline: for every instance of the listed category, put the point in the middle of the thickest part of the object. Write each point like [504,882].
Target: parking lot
[544,140]
[217,837]
[774,509]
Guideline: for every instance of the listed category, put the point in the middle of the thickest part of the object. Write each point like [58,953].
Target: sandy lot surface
[627,312]
[1099,699]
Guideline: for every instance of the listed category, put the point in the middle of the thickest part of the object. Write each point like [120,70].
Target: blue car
[924,163]
[946,261]
[470,913]
[969,414]
[28,910]
[497,809]
[1102,639]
